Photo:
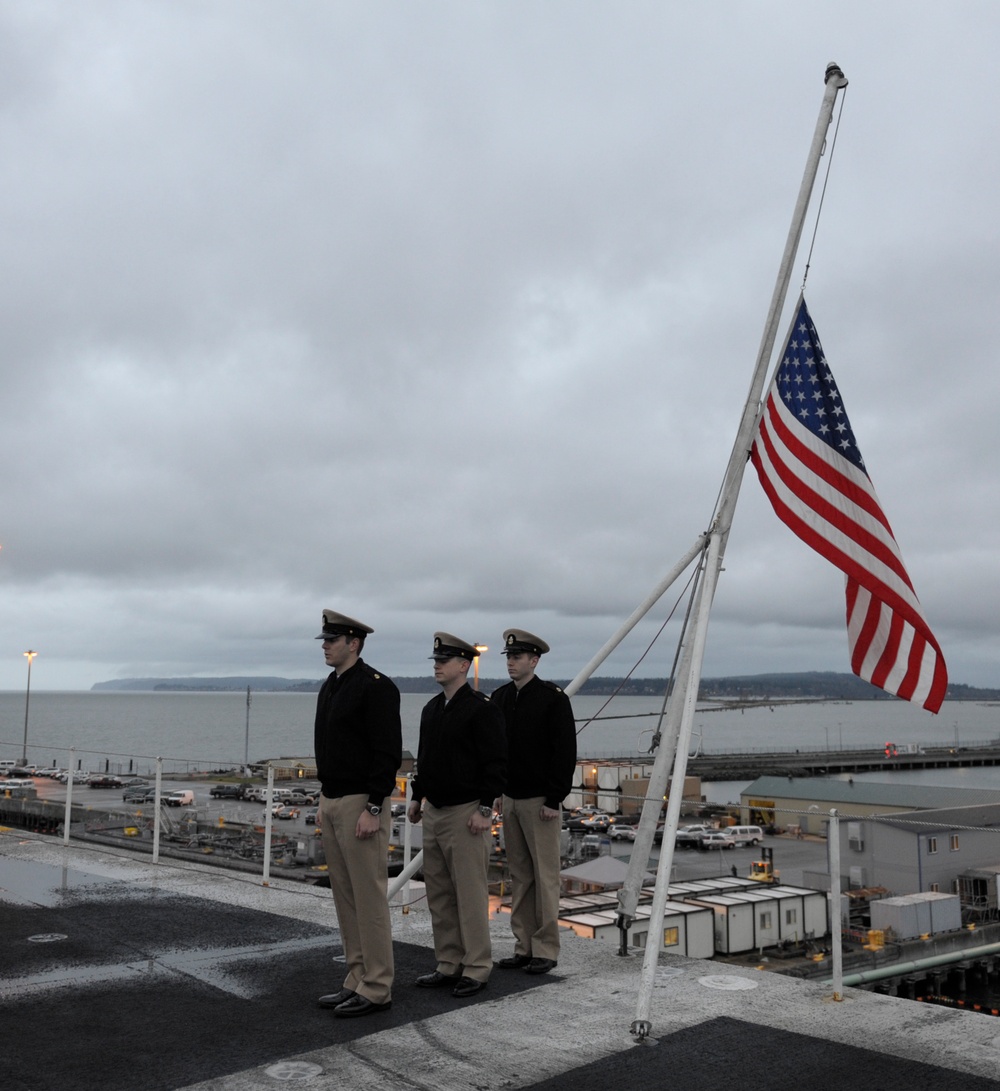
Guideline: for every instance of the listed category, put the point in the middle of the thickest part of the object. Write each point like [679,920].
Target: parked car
[717,839]
[622,833]
[105,781]
[226,791]
[184,797]
[310,816]
[597,822]
[591,844]
[301,797]
[689,837]
[144,794]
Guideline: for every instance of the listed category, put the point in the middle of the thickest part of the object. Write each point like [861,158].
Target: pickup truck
[226,791]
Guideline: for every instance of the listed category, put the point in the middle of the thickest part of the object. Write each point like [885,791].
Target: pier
[819,763]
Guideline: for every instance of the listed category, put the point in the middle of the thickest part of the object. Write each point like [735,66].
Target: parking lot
[791,856]
[207,807]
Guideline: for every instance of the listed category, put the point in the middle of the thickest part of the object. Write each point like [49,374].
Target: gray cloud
[444,315]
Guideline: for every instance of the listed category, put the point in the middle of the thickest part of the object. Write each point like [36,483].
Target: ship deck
[121,974]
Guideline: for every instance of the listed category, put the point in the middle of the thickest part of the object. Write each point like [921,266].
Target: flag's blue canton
[809,391]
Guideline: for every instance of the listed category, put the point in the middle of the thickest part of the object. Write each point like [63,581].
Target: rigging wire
[649,648]
[822,195]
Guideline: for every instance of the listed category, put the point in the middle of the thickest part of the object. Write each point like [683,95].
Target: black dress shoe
[540,966]
[436,980]
[359,1005]
[515,962]
[331,1000]
[468,987]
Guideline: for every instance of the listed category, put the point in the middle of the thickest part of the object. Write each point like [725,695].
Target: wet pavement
[117,973]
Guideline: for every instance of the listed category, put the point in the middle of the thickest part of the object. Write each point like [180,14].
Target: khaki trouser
[359,881]
[456,863]
[532,847]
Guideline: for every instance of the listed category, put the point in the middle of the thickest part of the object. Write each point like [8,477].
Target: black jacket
[462,754]
[359,738]
[541,740]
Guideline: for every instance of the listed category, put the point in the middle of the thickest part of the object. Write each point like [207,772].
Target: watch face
[372,809]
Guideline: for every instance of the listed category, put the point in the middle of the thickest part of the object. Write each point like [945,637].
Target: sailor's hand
[368,825]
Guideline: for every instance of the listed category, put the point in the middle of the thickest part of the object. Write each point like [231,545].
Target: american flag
[809,464]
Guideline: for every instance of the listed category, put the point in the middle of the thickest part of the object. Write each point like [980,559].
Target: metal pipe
[636,616]
[682,701]
[67,819]
[833,853]
[268,821]
[899,969]
[405,875]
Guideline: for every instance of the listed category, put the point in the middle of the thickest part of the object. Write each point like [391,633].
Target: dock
[818,763]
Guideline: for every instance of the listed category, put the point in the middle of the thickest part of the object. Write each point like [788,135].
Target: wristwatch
[486,812]
[373,809]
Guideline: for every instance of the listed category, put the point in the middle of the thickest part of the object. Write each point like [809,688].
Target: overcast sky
[443,315]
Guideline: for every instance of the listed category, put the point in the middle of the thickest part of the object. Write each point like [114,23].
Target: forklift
[763,870]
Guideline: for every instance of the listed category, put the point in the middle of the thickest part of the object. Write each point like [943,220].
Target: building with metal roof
[804,803]
[925,851]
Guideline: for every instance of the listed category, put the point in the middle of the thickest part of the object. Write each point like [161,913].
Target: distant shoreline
[743,689]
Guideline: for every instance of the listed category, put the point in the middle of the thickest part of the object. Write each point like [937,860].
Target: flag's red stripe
[853,493]
[865,634]
[847,564]
[862,577]
[811,500]
[890,653]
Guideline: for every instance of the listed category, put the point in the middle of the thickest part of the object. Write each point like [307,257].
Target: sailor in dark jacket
[461,769]
[358,753]
[541,755]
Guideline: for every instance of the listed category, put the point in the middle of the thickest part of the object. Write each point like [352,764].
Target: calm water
[212,730]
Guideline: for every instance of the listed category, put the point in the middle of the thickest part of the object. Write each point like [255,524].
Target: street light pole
[475,664]
[30,655]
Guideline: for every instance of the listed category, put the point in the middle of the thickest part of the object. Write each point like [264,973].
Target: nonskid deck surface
[119,974]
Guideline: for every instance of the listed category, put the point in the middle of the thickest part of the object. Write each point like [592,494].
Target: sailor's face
[448,670]
[521,666]
[336,651]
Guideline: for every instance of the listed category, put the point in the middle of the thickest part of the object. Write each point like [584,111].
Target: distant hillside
[805,685]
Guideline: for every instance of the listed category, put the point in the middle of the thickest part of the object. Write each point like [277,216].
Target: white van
[12,783]
[6,765]
[745,835]
[184,797]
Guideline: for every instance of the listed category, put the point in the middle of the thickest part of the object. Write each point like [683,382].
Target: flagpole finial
[834,72]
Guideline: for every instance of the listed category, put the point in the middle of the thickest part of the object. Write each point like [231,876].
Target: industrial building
[954,850]
[804,803]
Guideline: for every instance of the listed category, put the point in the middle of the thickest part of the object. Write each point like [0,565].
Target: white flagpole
[681,704]
[680,707]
